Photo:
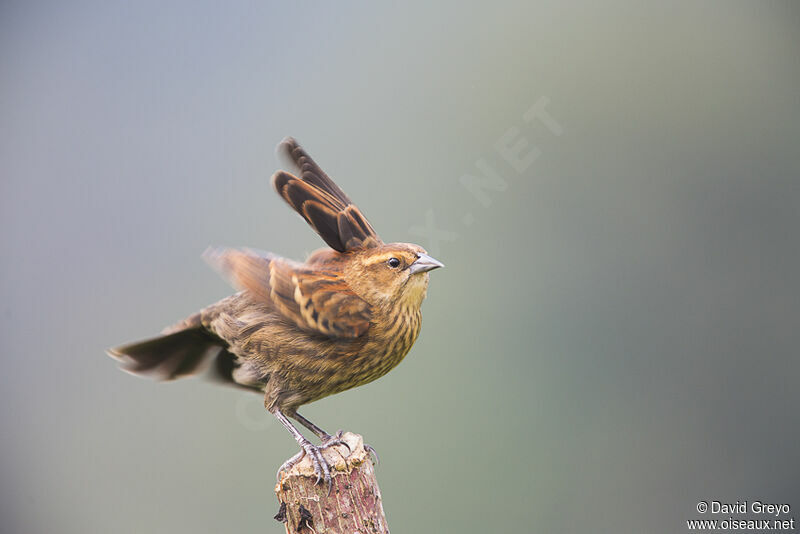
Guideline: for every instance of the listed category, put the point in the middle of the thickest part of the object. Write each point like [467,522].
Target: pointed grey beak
[424,264]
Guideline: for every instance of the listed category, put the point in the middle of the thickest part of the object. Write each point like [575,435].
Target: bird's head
[391,274]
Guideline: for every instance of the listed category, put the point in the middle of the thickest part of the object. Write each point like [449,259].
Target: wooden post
[353,505]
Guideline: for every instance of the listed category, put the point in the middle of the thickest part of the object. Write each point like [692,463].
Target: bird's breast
[390,340]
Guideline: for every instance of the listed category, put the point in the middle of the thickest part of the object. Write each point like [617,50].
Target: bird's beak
[424,263]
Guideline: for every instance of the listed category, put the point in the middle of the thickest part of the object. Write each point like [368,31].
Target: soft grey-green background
[614,337]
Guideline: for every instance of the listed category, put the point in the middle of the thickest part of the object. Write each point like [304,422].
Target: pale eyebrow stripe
[386,257]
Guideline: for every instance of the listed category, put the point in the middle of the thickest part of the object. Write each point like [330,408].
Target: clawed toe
[288,464]
[336,439]
[321,467]
[372,453]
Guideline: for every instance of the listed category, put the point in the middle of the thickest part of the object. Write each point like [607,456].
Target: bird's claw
[372,453]
[336,439]
[321,467]
[288,464]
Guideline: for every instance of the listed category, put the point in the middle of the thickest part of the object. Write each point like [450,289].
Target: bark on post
[354,504]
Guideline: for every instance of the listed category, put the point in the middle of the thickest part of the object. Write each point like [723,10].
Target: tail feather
[178,354]
[168,357]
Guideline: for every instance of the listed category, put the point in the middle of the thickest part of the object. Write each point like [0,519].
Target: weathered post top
[353,505]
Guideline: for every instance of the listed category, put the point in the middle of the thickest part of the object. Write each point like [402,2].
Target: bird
[297,332]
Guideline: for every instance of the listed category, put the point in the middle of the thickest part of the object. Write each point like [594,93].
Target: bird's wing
[317,301]
[322,204]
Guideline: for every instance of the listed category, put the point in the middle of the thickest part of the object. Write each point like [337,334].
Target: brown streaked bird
[298,332]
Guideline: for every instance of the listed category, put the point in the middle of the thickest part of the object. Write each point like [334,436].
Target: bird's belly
[379,356]
[373,366]
[298,368]
[388,348]
[332,373]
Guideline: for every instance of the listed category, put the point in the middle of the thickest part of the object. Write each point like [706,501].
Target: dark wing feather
[310,172]
[325,207]
[316,301]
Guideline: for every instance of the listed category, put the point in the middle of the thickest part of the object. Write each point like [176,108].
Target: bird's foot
[321,467]
[336,439]
[332,441]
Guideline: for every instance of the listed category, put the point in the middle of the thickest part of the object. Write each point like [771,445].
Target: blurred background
[615,191]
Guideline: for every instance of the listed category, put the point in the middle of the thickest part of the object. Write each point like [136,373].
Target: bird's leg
[321,434]
[326,439]
[321,467]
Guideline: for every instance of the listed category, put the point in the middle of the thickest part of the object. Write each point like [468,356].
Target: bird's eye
[394,263]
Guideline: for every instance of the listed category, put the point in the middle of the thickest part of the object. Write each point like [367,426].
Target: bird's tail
[180,353]
[184,349]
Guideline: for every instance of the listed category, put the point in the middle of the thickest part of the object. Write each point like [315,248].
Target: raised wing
[316,301]
[322,204]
